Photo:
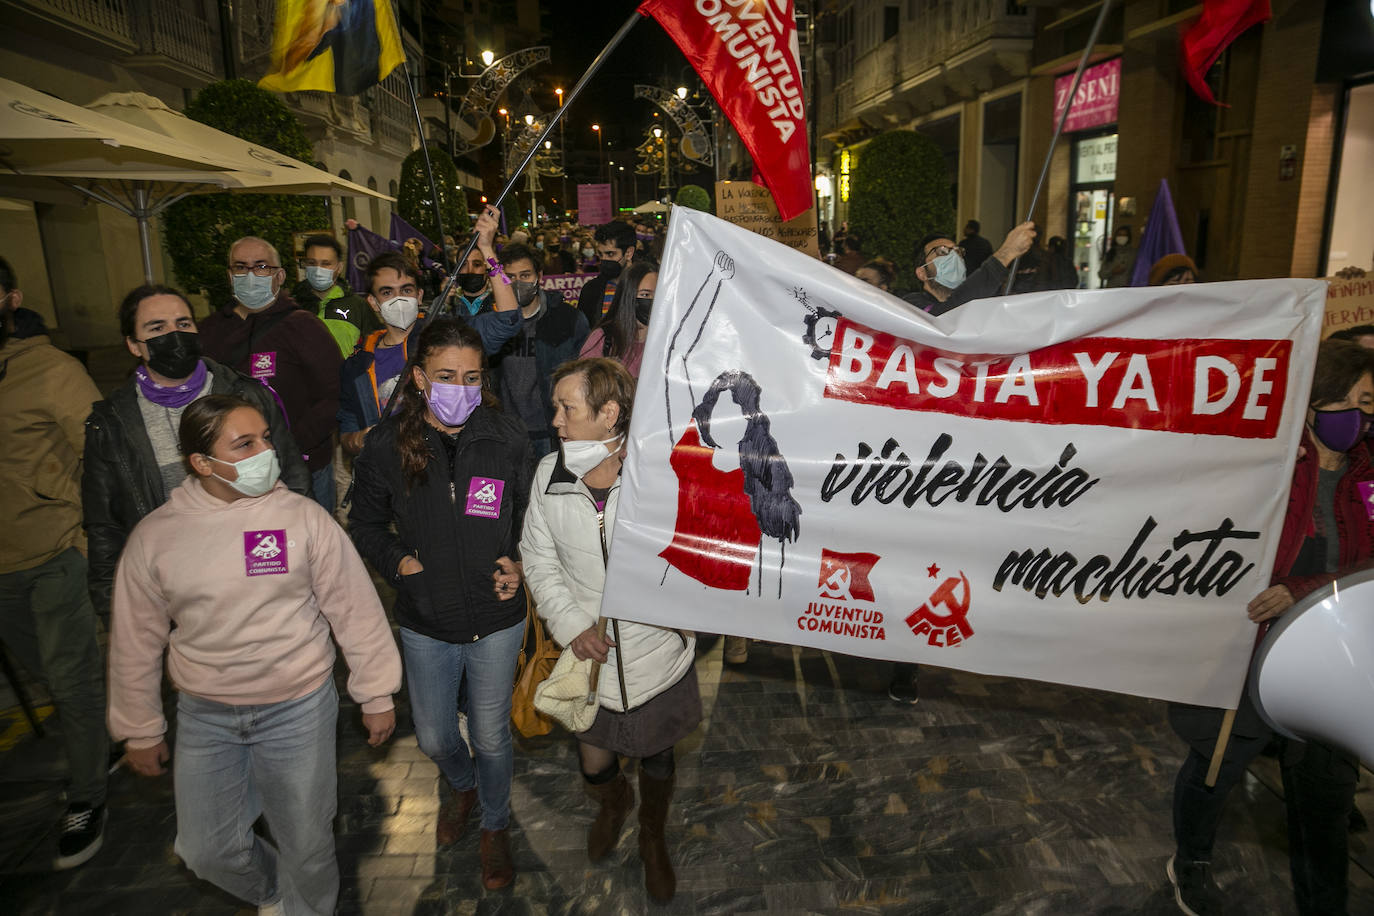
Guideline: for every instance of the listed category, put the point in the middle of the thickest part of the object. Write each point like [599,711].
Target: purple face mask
[1340,430]
[453,404]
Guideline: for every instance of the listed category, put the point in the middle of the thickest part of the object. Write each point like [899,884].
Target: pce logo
[267,548]
[943,618]
[487,494]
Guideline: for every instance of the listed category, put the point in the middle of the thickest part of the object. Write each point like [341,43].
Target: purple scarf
[176,396]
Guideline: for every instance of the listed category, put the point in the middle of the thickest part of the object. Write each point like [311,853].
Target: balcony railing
[392,121]
[176,33]
[106,21]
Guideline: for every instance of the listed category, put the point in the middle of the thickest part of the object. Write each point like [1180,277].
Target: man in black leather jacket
[132,461]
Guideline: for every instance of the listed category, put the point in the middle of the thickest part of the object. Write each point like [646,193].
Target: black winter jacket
[120,481]
[450,522]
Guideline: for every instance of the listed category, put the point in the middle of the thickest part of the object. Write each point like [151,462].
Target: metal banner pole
[1059,127]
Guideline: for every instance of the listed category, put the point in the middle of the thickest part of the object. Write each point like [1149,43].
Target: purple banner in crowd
[363,246]
[567,285]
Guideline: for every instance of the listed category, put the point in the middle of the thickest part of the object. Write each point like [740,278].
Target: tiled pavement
[805,791]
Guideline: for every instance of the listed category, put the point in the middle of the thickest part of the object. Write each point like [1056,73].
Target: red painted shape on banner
[844,576]
[944,629]
[716,537]
[1210,387]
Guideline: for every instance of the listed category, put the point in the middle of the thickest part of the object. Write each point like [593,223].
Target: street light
[658,135]
[487,58]
[682,92]
[529,120]
[600,159]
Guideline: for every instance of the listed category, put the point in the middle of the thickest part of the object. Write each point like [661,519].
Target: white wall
[1352,229]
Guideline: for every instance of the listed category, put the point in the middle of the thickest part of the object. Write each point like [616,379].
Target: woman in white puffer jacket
[649,699]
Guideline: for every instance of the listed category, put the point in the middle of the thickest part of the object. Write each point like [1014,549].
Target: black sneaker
[1195,891]
[83,830]
[902,687]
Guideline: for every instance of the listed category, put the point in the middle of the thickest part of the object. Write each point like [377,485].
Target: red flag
[1221,23]
[746,53]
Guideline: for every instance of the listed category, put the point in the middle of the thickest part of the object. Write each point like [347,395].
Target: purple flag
[1161,236]
[363,246]
[402,230]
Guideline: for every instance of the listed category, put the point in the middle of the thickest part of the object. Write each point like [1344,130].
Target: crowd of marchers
[219,510]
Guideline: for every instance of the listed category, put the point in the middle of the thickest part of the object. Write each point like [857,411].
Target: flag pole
[424,148]
[443,305]
[1059,127]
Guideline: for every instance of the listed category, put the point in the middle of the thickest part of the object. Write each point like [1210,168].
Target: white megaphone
[1313,676]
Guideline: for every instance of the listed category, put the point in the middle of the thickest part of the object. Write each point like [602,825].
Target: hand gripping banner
[1084,487]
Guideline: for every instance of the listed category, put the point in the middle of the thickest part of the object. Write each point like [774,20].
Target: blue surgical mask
[319,278]
[253,291]
[949,270]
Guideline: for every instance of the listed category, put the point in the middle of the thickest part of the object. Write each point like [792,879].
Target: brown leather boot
[453,814]
[616,798]
[498,869]
[655,796]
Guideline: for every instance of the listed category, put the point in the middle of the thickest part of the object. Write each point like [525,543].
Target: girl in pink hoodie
[254,578]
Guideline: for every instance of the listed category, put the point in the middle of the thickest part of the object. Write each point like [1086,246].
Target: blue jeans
[322,487]
[233,764]
[434,673]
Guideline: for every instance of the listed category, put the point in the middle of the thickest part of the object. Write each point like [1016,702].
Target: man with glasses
[946,285]
[264,335]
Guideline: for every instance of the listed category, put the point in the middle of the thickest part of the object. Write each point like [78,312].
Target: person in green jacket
[325,294]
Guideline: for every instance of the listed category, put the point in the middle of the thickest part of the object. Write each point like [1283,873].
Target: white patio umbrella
[652,206]
[143,190]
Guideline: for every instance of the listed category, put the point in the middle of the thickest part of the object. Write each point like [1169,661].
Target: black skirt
[656,726]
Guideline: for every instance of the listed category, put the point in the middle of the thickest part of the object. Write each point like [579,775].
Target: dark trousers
[47,621]
[1319,791]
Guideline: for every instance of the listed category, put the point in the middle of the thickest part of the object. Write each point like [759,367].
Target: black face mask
[525,291]
[173,355]
[471,283]
[609,269]
[643,309]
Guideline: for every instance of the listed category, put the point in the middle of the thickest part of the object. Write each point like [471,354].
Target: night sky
[575,34]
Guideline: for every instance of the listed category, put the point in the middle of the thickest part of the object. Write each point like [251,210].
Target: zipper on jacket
[615,624]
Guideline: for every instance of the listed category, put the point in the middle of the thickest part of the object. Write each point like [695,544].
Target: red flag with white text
[746,53]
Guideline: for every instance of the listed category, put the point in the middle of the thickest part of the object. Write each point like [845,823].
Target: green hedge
[899,192]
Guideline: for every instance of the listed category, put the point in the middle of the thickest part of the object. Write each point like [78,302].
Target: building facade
[1260,186]
[76,262]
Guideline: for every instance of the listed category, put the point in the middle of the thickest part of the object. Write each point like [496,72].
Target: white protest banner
[1084,487]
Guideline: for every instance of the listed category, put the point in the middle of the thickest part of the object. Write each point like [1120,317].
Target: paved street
[806,790]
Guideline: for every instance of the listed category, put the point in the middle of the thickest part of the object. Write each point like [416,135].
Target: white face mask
[581,456]
[400,312]
[257,474]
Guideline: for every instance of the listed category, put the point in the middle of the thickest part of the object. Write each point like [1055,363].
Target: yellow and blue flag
[342,46]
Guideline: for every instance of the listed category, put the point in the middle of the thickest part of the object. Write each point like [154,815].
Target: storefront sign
[1348,303]
[844,175]
[594,204]
[1095,160]
[751,206]
[1098,96]
[1083,487]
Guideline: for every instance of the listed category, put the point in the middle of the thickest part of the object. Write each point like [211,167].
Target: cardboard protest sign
[751,206]
[1349,303]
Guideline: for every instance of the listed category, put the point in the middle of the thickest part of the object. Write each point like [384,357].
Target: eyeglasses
[940,251]
[261,269]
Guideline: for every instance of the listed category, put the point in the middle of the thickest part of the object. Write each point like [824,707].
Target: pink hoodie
[254,587]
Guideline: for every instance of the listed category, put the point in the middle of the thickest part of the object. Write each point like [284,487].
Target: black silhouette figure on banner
[722,516]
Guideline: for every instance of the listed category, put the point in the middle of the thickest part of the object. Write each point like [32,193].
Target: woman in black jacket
[132,462]
[453,474]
